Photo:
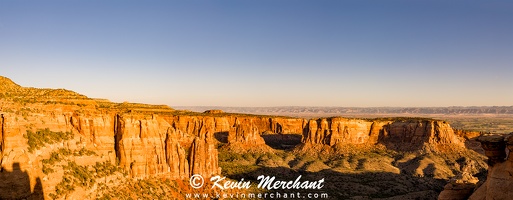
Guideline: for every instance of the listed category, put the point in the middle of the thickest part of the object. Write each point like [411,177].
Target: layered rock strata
[145,144]
[244,136]
[142,144]
[405,135]
[179,146]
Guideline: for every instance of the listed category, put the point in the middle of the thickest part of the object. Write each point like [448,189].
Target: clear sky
[264,53]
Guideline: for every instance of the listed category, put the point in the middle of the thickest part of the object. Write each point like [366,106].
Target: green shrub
[82,176]
[47,169]
[43,137]
[60,155]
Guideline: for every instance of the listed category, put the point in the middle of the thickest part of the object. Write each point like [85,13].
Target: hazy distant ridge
[360,110]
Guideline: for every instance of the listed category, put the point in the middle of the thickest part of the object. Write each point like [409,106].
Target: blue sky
[264,53]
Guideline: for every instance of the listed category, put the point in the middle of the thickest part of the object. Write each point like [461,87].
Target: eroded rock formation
[142,144]
[172,144]
[499,180]
[398,135]
[461,186]
[178,146]
[244,136]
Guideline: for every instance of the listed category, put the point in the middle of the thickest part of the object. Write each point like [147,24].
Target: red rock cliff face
[180,146]
[244,136]
[287,125]
[184,145]
[398,135]
[499,180]
[143,145]
[415,134]
[97,131]
[20,169]
[223,124]
[140,144]
[339,130]
[244,132]
[152,145]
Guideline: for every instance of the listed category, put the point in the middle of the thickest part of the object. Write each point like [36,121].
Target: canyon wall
[245,136]
[405,135]
[178,146]
[146,140]
[499,180]
[183,145]
[142,144]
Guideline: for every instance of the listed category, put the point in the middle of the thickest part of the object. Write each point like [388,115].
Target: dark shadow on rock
[403,135]
[15,185]
[348,185]
[474,145]
[282,141]
[409,167]
[221,137]
[429,170]
[361,163]
[38,193]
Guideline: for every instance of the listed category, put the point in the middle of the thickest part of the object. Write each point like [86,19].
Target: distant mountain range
[302,111]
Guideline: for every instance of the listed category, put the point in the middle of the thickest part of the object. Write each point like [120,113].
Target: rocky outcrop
[420,134]
[177,144]
[19,170]
[96,131]
[280,125]
[140,144]
[334,131]
[176,156]
[213,111]
[405,135]
[144,145]
[7,85]
[147,145]
[151,145]
[287,125]
[244,136]
[499,180]
[461,186]
[180,145]
[244,132]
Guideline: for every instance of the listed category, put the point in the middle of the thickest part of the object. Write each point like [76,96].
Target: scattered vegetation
[60,155]
[143,189]
[82,176]
[43,137]
[353,170]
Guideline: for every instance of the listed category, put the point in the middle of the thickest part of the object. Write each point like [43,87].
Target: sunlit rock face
[405,135]
[499,181]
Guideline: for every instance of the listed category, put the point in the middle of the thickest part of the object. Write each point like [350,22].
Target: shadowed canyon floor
[58,144]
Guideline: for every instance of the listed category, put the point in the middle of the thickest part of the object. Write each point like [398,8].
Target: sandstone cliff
[500,171]
[146,141]
[244,136]
[141,143]
[404,135]
[178,146]
[461,186]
